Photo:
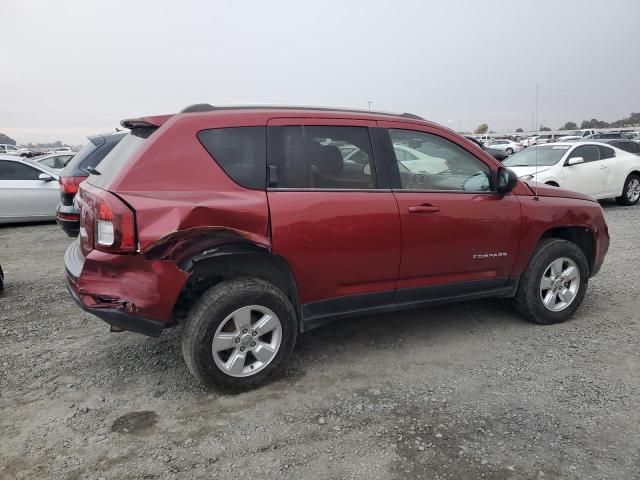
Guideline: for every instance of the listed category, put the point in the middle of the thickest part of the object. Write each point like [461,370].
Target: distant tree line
[630,121]
[7,139]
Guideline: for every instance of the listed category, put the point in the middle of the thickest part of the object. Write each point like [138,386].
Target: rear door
[457,232]
[332,217]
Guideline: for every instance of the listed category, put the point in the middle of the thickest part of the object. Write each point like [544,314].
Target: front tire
[509,151]
[239,333]
[554,283]
[630,191]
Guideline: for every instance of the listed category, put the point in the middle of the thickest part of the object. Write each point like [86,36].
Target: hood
[522,171]
[543,190]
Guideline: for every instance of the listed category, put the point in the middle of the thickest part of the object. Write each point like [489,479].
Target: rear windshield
[82,155]
[116,159]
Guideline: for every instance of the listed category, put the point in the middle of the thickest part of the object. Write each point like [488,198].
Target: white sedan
[593,168]
[29,192]
[414,160]
[507,146]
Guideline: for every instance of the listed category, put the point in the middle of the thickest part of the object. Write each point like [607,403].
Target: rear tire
[251,317]
[509,151]
[550,294]
[630,191]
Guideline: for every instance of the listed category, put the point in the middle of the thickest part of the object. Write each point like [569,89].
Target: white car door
[589,176]
[23,195]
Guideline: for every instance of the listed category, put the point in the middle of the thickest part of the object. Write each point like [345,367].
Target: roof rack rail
[411,115]
[198,107]
[206,107]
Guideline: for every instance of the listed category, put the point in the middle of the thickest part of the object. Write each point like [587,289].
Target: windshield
[543,156]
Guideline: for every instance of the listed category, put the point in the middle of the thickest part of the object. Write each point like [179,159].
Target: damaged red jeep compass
[251,225]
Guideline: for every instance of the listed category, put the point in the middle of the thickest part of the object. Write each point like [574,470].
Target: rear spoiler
[145,122]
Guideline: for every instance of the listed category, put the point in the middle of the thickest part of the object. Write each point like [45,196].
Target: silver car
[29,192]
[57,161]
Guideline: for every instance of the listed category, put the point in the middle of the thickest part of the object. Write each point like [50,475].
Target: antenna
[535,191]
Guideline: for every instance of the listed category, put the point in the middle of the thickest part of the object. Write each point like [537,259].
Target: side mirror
[45,177]
[507,180]
[575,161]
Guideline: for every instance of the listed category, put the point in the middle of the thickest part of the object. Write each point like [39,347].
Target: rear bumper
[68,217]
[126,291]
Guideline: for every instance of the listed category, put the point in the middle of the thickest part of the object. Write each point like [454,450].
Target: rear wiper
[93,171]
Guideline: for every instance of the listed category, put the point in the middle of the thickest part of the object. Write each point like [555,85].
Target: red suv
[252,225]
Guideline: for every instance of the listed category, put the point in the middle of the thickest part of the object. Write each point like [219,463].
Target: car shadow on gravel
[123,358]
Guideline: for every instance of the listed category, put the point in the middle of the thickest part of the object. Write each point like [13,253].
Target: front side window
[17,171]
[240,151]
[589,153]
[438,164]
[321,157]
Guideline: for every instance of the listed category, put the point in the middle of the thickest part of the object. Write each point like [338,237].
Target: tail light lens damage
[106,222]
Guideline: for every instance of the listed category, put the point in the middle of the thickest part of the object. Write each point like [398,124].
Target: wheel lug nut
[254,333]
[242,349]
[245,330]
[253,344]
[237,340]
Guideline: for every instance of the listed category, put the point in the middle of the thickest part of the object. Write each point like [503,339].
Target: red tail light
[69,185]
[114,228]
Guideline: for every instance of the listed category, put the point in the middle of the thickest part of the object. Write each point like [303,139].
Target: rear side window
[240,151]
[17,171]
[321,157]
[606,152]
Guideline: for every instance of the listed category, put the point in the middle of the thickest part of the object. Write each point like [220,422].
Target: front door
[457,231]
[588,177]
[23,194]
[331,219]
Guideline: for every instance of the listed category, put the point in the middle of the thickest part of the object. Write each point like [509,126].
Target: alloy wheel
[633,190]
[246,341]
[559,284]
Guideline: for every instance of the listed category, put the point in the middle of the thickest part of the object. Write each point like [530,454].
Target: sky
[73,68]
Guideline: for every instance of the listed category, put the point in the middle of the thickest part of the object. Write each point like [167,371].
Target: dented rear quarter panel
[174,185]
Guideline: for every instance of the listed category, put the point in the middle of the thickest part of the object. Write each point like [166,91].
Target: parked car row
[8,149]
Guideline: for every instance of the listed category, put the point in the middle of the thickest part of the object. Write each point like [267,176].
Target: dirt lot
[460,391]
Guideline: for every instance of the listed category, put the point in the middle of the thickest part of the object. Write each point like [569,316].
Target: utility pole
[531,121]
[537,98]
[370,103]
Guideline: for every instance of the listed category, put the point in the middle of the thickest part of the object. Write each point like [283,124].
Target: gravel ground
[460,391]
